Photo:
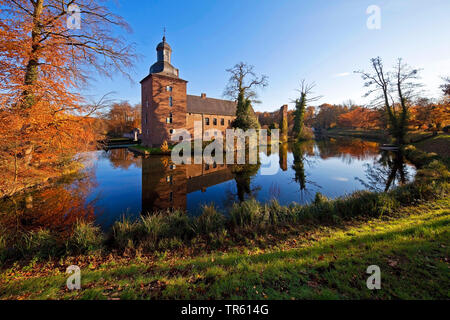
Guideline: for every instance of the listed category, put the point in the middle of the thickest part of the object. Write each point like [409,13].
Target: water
[119,183]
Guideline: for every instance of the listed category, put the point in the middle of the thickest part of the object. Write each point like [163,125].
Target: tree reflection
[389,171]
[56,208]
[300,151]
[243,177]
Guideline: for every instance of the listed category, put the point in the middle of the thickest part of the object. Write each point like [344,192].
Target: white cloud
[343,74]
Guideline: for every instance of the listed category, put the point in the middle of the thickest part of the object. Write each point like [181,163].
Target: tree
[242,87]
[446,86]
[300,109]
[43,66]
[394,91]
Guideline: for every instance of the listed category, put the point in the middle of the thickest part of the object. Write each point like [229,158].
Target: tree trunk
[31,74]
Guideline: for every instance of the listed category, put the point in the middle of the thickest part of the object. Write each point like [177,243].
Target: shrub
[165,147]
[85,238]
[246,214]
[210,221]
[40,244]
[124,234]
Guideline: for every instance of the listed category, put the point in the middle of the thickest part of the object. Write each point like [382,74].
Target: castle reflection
[166,185]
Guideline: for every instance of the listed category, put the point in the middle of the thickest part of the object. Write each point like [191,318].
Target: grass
[258,251]
[377,135]
[439,145]
[328,262]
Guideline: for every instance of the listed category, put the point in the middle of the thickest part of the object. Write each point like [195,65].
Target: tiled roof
[197,104]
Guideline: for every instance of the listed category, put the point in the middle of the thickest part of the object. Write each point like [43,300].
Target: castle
[166,106]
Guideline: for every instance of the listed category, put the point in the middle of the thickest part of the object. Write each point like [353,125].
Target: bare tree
[394,91]
[300,108]
[243,80]
[446,86]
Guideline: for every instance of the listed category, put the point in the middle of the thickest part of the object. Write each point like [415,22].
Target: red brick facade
[163,108]
[166,106]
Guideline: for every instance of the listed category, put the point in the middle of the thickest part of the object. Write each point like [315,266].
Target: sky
[321,41]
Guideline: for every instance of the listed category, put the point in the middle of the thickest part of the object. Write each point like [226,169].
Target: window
[207,121]
[222,122]
[170,118]
[215,122]
[171,197]
[146,103]
[146,118]
[169,89]
[170,102]
[206,167]
[171,131]
[229,122]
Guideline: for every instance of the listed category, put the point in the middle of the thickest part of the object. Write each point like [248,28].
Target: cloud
[341,179]
[343,74]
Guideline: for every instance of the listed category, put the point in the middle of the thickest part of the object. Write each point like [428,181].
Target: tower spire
[164,35]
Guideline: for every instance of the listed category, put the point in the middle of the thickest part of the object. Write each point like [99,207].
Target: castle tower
[163,98]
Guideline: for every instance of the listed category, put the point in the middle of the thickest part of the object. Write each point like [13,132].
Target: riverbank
[376,135]
[314,251]
[328,262]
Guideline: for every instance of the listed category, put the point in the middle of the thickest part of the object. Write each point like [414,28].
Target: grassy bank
[439,144]
[320,250]
[327,262]
[376,135]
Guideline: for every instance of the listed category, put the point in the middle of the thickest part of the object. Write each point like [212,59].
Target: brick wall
[156,108]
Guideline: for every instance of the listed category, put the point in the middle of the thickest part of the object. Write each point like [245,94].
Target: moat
[120,183]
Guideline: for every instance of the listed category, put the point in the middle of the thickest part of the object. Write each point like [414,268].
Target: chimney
[203,95]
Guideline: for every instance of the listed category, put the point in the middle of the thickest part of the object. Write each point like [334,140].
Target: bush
[210,221]
[246,214]
[124,234]
[85,238]
[40,244]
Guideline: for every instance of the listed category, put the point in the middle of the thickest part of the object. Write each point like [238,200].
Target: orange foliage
[360,117]
[43,121]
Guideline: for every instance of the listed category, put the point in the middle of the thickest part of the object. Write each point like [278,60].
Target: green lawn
[411,249]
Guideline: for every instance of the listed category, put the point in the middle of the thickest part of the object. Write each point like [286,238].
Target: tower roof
[163,45]
[163,65]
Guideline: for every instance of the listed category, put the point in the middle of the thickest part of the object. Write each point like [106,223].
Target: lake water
[119,183]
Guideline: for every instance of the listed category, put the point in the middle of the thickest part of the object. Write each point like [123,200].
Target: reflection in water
[121,183]
[389,171]
[55,209]
[303,154]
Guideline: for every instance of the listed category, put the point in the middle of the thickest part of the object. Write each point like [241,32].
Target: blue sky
[322,41]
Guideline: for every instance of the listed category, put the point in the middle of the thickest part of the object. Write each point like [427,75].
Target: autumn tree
[44,64]
[123,117]
[242,87]
[394,91]
[300,109]
[328,115]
